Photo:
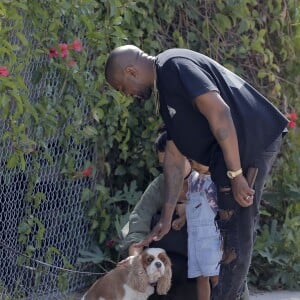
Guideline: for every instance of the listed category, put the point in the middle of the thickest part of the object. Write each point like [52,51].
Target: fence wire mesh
[61,214]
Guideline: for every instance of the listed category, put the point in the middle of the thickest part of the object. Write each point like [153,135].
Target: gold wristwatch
[233,174]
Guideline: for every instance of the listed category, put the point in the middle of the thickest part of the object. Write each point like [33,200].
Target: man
[215,118]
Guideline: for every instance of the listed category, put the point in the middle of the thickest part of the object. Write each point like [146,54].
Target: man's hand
[174,167]
[157,233]
[242,193]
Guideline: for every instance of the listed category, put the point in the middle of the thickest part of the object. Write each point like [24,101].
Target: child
[144,215]
[204,242]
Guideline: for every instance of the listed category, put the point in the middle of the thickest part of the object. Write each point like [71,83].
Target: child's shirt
[198,182]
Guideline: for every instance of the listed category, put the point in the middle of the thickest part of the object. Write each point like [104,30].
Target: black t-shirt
[182,75]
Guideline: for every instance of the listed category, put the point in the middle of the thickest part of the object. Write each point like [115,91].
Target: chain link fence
[60,217]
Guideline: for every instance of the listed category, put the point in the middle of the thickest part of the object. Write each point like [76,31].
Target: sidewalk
[275,295]
[257,295]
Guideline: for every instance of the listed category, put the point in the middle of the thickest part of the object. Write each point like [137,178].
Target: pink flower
[53,53]
[64,52]
[3,71]
[72,62]
[87,172]
[77,46]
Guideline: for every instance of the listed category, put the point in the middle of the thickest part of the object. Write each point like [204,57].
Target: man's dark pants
[237,225]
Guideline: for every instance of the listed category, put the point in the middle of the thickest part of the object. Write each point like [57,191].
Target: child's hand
[178,223]
[180,209]
[125,261]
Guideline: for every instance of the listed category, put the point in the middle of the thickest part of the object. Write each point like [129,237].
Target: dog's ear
[137,277]
[164,282]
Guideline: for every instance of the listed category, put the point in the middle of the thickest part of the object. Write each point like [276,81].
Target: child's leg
[203,288]
[214,280]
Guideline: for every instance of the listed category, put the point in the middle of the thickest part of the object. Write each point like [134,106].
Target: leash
[47,264]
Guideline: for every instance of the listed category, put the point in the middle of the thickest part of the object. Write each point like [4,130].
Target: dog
[135,279]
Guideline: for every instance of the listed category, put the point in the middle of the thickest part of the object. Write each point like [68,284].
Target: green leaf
[38,198]
[24,228]
[13,160]
[22,38]
[98,114]
[22,161]
[262,74]
[90,131]
[94,255]
[120,170]
[36,76]
[86,195]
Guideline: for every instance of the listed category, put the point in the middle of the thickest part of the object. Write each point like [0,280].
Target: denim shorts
[204,242]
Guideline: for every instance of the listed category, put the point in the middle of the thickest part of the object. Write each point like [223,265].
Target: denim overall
[204,243]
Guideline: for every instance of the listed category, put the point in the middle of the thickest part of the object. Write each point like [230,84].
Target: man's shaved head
[119,58]
[130,71]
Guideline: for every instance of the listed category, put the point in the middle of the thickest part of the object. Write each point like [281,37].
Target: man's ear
[131,70]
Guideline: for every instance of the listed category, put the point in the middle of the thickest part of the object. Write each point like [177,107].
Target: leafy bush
[276,248]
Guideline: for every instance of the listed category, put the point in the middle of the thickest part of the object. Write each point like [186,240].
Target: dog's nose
[158,264]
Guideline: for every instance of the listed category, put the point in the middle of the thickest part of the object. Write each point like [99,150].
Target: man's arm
[218,114]
[139,224]
[174,163]
[174,166]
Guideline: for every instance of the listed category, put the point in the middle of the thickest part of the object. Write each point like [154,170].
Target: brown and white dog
[135,279]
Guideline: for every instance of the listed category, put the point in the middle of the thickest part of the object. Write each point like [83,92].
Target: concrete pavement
[275,295]
[254,295]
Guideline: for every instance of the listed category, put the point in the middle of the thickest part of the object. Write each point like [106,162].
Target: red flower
[110,243]
[292,124]
[292,117]
[87,172]
[77,46]
[64,52]
[3,71]
[53,53]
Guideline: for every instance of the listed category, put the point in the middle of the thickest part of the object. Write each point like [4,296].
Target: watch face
[229,174]
[233,174]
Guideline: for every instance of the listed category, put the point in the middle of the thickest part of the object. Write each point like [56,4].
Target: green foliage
[276,252]
[259,40]
[96,255]
[279,235]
